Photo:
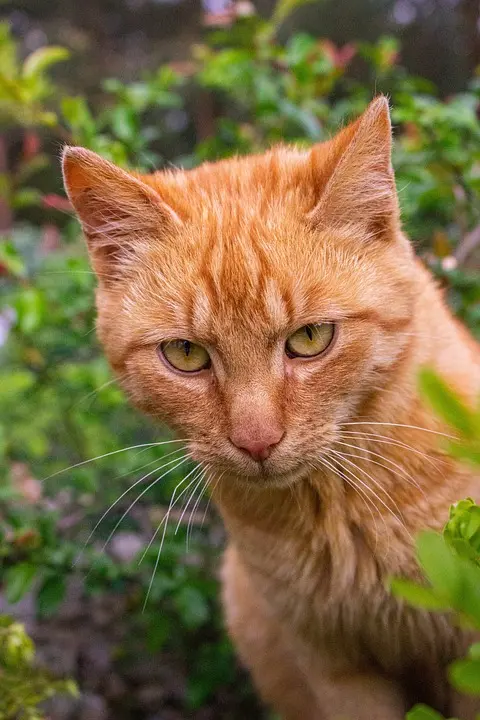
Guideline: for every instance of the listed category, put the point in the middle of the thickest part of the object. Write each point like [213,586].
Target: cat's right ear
[119,213]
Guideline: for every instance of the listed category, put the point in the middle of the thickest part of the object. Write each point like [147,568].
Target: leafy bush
[59,405]
[451,560]
[24,687]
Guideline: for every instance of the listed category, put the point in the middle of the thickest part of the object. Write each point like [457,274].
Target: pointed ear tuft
[119,213]
[358,185]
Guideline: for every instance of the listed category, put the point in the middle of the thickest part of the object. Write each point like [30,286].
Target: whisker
[99,389]
[151,462]
[152,539]
[109,454]
[149,487]
[294,494]
[385,440]
[210,497]
[165,520]
[401,425]
[363,495]
[129,489]
[194,509]
[406,475]
[200,480]
[377,484]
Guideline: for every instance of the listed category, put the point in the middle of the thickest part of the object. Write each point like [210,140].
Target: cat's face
[256,303]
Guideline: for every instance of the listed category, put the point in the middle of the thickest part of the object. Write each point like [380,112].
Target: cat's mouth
[267,474]
[280,470]
[278,479]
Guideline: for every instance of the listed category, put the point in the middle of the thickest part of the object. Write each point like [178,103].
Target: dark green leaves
[18,580]
[50,594]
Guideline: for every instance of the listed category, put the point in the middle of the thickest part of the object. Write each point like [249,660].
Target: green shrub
[23,687]
[450,560]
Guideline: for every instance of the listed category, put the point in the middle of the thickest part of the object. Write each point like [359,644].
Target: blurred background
[150,83]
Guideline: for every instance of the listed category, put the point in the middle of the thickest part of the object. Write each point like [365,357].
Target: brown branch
[6,216]
[467,245]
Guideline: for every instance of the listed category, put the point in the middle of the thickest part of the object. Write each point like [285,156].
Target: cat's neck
[388,466]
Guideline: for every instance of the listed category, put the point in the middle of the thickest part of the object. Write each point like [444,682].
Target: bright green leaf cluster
[23,686]
[24,89]
[451,560]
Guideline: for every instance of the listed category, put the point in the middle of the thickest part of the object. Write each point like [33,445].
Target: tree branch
[467,245]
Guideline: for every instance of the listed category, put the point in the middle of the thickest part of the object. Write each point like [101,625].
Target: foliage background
[235,84]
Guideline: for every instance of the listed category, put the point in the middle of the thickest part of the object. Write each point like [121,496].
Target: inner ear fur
[356,183]
[118,212]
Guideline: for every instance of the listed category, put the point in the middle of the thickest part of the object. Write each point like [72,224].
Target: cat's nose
[259,447]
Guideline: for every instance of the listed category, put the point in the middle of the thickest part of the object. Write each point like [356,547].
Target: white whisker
[144,492]
[406,475]
[363,495]
[199,478]
[194,509]
[164,522]
[210,497]
[401,425]
[377,484]
[109,454]
[386,440]
[129,489]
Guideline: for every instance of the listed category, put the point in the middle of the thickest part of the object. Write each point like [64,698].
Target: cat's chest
[334,597]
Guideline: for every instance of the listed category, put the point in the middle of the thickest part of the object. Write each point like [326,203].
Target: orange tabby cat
[271,311]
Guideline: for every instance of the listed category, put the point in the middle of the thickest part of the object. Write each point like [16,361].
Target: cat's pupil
[309,332]
[186,347]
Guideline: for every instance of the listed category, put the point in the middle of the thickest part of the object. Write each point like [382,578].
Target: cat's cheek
[175,399]
[389,349]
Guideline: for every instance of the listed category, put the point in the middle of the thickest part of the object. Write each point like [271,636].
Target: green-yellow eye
[310,340]
[185,355]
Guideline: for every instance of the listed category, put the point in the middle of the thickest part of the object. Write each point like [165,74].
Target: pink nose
[259,447]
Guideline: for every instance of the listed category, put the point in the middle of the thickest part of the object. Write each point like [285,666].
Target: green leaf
[158,633]
[15,383]
[192,607]
[124,123]
[467,600]
[11,259]
[446,403]
[465,676]
[51,594]
[474,651]
[423,712]
[30,307]
[43,58]
[78,115]
[18,580]
[417,595]
[440,564]
[26,197]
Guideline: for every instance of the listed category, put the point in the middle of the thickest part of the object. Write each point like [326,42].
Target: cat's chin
[266,478]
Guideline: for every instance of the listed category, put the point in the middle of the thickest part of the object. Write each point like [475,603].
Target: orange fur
[236,256]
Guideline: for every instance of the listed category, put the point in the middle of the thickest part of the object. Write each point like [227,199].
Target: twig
[467,245]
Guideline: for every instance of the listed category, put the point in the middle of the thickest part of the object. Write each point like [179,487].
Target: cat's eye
[183,355]
[310,340]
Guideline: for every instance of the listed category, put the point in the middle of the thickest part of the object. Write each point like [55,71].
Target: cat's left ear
[358,185]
